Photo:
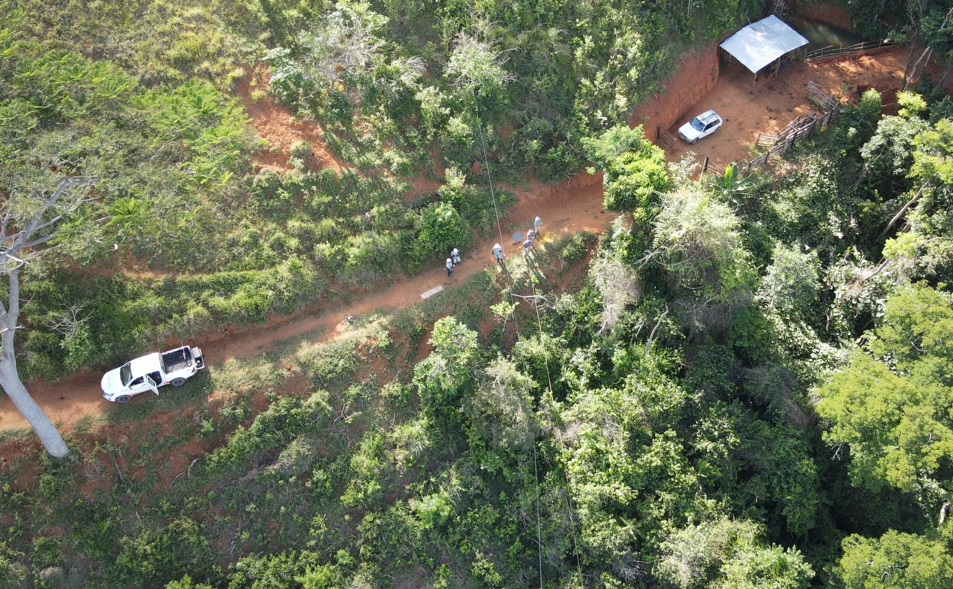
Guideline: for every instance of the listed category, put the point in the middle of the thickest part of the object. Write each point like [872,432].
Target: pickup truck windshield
[125,374]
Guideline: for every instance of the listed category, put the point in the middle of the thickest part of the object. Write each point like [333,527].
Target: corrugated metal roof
[760,43]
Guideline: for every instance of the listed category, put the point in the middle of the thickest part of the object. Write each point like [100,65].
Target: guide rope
[509,278]
[496,211]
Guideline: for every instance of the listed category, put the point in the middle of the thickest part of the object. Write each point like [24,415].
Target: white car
[700,127]
[150,372]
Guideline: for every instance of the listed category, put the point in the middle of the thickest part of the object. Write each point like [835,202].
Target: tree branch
[25,236]
[13,315]
[903,210]
[52,221]
[36,242]
[651,340]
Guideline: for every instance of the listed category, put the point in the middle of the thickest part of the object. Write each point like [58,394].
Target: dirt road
[572,206]
[567,208]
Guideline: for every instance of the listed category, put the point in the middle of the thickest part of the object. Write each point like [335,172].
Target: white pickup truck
[150,372]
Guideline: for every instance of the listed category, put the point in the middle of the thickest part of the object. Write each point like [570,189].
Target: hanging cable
[496,210]
[489,177]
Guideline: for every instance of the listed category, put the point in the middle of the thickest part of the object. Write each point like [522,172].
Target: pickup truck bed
[176,359]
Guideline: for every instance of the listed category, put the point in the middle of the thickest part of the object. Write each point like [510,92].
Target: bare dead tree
[27,225]
[912,73]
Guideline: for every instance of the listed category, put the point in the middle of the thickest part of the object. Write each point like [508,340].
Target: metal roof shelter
[759,44]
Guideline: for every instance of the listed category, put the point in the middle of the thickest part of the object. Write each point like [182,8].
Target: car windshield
[697,124]
[125,374]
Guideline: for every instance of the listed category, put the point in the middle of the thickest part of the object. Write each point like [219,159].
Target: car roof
[145,364]
[708,115]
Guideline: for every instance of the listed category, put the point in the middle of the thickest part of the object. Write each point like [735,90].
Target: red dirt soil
[276,124]
[765,106]
[566,208]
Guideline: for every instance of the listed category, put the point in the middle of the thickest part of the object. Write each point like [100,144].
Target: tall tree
[52,110]
[893,410]
[634,168]
[88,159]
[895,560]
[27,224]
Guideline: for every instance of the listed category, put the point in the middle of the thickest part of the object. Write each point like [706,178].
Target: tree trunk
[10,378]
[44,428]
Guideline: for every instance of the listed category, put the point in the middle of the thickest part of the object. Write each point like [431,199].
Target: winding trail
[567,208]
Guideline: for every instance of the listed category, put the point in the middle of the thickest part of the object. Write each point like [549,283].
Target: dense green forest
[751,388]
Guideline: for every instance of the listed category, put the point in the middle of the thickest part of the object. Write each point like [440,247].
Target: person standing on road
[455,256]
[531,235]
[449,267]
[498,253]
[538,225]
[526,247]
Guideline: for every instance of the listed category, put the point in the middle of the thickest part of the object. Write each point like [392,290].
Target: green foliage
[634,168]
[501,410]
[134,315]
[12,573]
[661,459]
[727,554]
[441,230]
[291,568]
[474,68]
[156,557]
[614,279]
[891,410]
[187,583]
[155,41]
[282,422]
[895,560]
[446,376]
[479,208]
[367,465]
[699,246]
[431,73]
[791,284]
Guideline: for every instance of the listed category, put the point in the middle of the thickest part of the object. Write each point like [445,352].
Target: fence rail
[666,138]
[822,99]
[832,51]
[799,128]
[711,167]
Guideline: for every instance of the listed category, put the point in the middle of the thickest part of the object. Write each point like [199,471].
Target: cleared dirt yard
[769,104]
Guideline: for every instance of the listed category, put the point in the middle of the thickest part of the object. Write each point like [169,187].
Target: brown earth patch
[282,129]
[566,208]
[767,105]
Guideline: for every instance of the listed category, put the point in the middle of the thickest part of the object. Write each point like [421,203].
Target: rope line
[489,177]
[496,211]
[509,278]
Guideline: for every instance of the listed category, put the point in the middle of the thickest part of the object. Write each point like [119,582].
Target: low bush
[156,557]
[287,418]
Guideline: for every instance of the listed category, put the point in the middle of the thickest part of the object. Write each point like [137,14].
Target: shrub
[156,557]
[282,422]
[442,229]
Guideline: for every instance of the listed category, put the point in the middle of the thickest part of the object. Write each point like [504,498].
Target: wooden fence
[711,167]
[832,51]
[822,99]
[767,140]
[666,138]
[799,128]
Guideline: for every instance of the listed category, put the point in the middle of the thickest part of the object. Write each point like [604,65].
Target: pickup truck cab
[150,372]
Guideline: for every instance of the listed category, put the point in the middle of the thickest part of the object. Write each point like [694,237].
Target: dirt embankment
[697,75]
[829,13]
[575,205]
